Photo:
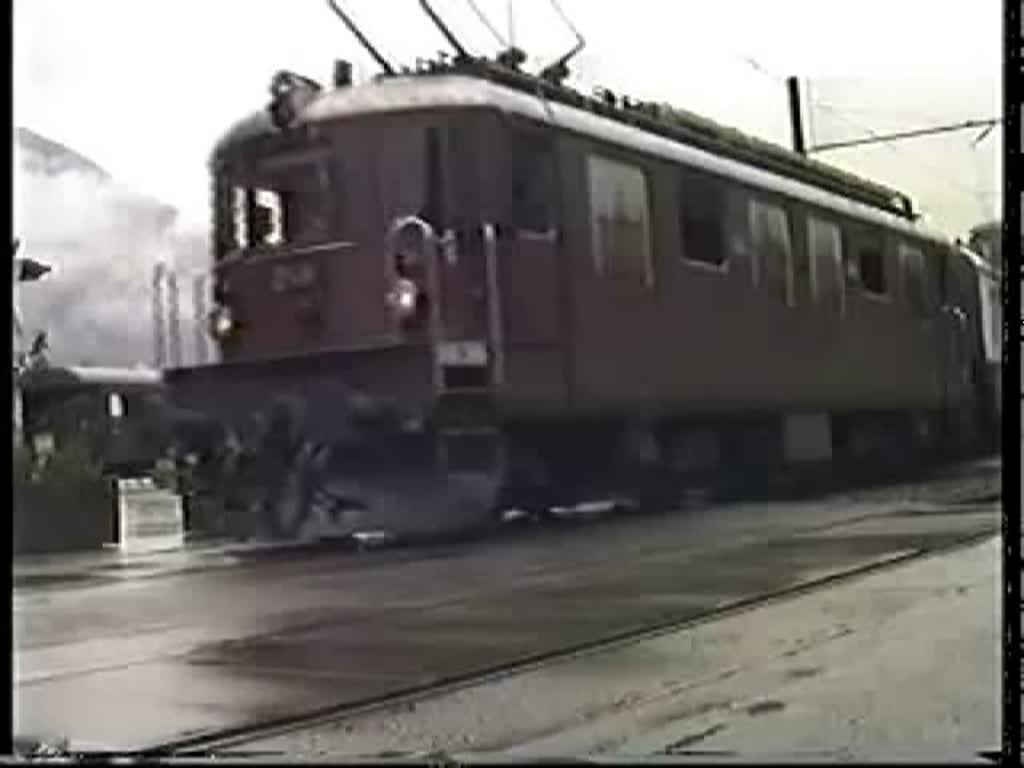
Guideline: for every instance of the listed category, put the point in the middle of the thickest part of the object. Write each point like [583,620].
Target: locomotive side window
[871,266]
[914,286]
[532,181]
[701,221]
[620,219]
[772,249]
[825,247]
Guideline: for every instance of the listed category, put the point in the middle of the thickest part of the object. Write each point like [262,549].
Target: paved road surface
[900,664]
[217,648]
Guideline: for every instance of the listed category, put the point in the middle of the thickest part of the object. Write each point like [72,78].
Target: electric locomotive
[467,287]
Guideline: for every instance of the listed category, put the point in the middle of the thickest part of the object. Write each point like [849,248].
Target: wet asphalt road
[219,648]
[899,664]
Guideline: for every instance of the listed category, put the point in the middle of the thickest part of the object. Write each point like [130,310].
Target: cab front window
[279,202]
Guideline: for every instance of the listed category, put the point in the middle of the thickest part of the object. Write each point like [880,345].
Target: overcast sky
[145,87]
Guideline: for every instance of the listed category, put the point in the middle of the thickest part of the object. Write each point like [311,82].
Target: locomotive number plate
[294,276]
[462,353]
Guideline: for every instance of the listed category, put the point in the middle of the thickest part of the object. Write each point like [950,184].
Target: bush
[63,503]
[166,475]
[21,461]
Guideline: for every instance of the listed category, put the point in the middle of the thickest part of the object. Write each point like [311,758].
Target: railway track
[228,741]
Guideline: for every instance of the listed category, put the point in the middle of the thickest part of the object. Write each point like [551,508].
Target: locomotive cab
[371,249]
[521,278]
[367,229]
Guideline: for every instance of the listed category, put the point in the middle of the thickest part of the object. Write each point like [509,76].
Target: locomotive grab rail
[494,313]
[494,304]
[428,238]
[402,222]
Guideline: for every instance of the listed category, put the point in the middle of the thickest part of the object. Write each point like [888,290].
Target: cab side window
[532,185]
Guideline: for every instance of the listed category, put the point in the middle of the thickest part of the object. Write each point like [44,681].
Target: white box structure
[149,517]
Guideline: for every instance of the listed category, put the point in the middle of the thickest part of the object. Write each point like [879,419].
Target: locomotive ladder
[466,410]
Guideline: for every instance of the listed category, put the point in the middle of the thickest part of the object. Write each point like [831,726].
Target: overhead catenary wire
[565,18]
[757,67]
[988,124]
[558,70]
[502,41]
[875,111]
[461,53]
[382,62]
[838,114]
[876,138]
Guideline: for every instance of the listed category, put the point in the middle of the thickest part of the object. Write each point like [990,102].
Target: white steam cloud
[102,241]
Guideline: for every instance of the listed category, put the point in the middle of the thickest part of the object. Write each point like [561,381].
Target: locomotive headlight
[403,297]
[222,323]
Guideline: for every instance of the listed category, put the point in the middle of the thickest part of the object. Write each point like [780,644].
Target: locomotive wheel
[526,481]
[419,503]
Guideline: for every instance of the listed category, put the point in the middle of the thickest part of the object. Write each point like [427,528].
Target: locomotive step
[469,431]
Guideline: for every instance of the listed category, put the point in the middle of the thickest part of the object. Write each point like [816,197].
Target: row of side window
[621,237]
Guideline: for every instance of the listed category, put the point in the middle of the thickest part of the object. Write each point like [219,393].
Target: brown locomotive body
[554,298]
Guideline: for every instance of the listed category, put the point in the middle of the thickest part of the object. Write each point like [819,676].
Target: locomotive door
[530,280]
[453,187]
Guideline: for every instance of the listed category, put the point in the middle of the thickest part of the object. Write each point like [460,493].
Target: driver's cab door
[531,277]
[529,238]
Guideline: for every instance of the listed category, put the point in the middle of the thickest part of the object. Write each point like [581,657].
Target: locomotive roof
[453,90]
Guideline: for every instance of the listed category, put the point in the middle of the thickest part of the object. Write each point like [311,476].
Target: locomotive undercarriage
[652,464]
[321,460]
[394,439]
[290,451]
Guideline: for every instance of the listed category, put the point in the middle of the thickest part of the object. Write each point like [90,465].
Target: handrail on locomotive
[431,246]
[427,258]
[494,315]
